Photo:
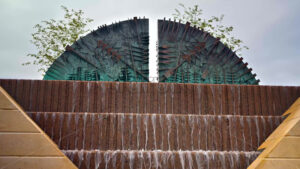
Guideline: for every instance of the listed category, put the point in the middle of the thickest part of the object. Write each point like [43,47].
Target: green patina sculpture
[118,52]
[190,55]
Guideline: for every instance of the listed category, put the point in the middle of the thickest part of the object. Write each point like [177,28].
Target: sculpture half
[118,52]
[190,55]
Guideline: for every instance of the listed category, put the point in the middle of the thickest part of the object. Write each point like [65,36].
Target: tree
[212,25]
[52,36]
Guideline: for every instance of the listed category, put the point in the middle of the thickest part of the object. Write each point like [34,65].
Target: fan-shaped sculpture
[118,52]
[190,55]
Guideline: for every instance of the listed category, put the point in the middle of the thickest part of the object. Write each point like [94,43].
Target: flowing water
[90,131]
[207,142]
[146,125]
[139,159]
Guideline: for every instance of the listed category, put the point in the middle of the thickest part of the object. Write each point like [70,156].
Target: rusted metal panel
[257,102]
[154,131]
[251,100]
[191,55]
[110,53]
[264,100]
[76,96]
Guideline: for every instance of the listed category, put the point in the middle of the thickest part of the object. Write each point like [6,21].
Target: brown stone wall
[164,98]
[154,125]
[119,131]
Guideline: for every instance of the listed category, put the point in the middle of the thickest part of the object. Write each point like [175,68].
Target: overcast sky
[270,28]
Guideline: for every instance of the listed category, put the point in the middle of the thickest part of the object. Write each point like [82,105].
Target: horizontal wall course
[81,96]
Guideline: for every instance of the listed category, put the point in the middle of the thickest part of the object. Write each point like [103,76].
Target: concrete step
[130,131]
[96,159]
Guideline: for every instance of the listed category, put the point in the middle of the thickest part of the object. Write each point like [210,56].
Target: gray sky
[270,28]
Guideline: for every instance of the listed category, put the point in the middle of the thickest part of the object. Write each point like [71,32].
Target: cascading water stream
[150,125]
[146,131]
[169,122]
[61,119]
[243,135]
[68,128]
[131,159]
[156,131]
[138,90]
[177,132]
[77,128]
[249,127]
[191,123]
[83,130]
[122,130]
[167,159]
[88,96]
[161,122]
[257,130]
[97,159]
[92,128]
[138,128]
[153,119]
[145,97]
[156,139]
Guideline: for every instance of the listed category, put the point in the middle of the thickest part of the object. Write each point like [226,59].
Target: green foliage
[212,25]
[52,36]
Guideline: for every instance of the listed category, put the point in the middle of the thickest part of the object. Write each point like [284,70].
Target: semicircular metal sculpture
[118,52]
[189,55]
